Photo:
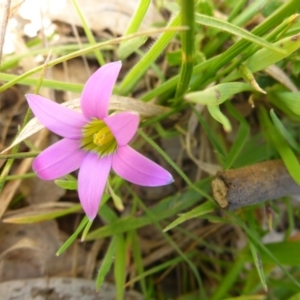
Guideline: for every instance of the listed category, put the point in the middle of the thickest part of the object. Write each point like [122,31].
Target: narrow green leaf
[134,75]
[187,45]
[54,84]
[86,230]
[284,132]
[40,213]
[198,211]
[166,208]
[72,238]
[212,136]
[258,265]
[287,155]
[240,138]
[229,279]
[265,58]
[120,266]
[106,262]
[238,31]
[138,16]
[88,32]
[130,46]
[265,250]
[138,259]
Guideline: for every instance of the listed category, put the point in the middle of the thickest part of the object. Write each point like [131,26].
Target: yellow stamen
[97,137]
[103,136]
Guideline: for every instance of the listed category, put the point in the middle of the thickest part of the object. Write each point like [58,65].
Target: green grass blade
[166,208]
[88,32]
[287,155]
[284,132]
[72,238]
[265,58]
[240,138]
[106,262]
[196,212]
[238,31]
[265,250]
[134,75]
[120,266]
[187,45]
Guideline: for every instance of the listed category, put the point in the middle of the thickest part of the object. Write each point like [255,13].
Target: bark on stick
[253,184]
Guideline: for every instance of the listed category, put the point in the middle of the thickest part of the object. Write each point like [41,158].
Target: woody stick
[253,184]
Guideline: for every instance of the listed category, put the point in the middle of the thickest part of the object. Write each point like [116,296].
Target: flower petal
[123,126]
[57,118]
[138,169]
[59,159]
[92,179]
[97,91]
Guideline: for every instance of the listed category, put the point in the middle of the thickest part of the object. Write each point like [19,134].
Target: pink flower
[93,141]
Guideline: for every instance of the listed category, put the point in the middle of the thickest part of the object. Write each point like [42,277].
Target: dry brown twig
[253,184]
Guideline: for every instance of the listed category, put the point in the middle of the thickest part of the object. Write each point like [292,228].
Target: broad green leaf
[252,297]
[198,211]
[218,94]
[238,31]
[295,297]
[284,132]
[286,100]
[287,253]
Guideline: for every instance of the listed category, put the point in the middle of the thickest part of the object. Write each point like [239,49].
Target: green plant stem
[19,155]
[187,45]
[138,16]
[23,176]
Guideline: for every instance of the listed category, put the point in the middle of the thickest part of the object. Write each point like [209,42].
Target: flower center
[98,138]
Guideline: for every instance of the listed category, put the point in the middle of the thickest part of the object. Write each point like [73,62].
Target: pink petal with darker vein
[138,169]
[123,126]
[59,159]
[57,118]
[98,89]
[92,179]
